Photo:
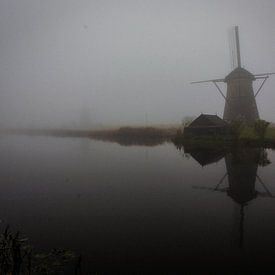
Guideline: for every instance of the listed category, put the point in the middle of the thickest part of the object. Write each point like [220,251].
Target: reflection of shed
[205,157]
[206,125]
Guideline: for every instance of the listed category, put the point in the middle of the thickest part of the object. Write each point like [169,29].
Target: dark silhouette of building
[240,103]
[206,125]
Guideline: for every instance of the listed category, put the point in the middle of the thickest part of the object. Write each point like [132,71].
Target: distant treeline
[146,136]
[124,135]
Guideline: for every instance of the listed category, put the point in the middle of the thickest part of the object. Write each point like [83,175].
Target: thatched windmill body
[240,99]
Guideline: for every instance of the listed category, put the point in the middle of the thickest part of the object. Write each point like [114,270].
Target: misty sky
[80,63]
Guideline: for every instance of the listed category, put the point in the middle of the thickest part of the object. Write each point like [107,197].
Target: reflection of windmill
[240,103]
[242,168]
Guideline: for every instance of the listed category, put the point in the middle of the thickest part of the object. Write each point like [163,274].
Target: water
[137,208]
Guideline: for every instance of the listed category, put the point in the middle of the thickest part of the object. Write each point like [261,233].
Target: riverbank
[246,138]
[124,135]
[151,136]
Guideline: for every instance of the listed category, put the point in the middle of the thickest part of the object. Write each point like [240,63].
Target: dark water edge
[140,209]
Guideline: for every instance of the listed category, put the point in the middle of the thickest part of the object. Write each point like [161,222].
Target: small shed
[207,125]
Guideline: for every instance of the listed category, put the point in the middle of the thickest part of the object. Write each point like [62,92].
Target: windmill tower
[240,99]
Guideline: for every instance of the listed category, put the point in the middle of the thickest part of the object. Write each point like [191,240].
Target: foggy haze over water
[84,63]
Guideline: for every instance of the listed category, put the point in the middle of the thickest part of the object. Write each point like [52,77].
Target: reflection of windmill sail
[241,166]
[238,225]
[242,169]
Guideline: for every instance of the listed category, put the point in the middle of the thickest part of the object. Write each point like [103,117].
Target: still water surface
[140,207]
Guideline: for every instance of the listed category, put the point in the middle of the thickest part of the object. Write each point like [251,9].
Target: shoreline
[150,136]
[148,132]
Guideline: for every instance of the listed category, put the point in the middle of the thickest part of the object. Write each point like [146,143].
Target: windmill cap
[239,73]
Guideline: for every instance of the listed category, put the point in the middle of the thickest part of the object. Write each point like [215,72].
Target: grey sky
[83,62]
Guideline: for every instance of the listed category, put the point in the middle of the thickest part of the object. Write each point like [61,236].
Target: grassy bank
[270,133]
[247,137]
[151,136]
[17,256]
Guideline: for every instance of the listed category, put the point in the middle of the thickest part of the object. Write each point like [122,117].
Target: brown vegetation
[146,136]
[124,135]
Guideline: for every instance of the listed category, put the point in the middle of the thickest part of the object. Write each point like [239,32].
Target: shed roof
[205,120]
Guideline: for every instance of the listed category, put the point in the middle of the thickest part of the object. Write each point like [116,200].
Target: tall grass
[247,136]
[18,257]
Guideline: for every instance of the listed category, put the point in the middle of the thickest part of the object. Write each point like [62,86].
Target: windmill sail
[238,46]
[232,48]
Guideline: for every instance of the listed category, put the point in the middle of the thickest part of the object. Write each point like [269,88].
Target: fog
[91,63]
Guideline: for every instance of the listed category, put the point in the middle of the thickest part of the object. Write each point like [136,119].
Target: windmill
[240,99]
